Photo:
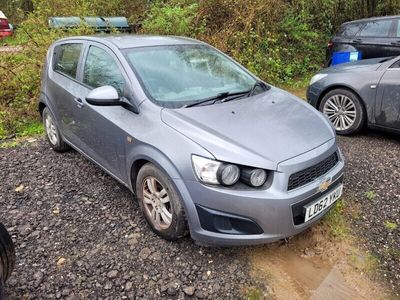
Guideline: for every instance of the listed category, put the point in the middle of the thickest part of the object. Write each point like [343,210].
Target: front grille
[307,175]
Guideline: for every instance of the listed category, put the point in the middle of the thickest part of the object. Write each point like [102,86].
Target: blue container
[345,57]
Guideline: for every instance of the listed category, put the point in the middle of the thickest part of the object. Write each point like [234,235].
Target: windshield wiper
[248,92]
[227,96]
[258,84]
[214,99]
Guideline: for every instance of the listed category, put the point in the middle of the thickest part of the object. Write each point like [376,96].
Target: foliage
[175,18]
[281,41]
[20,71]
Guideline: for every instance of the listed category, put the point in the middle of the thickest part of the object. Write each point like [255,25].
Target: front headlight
[214,172]
[317,78]
[206,169]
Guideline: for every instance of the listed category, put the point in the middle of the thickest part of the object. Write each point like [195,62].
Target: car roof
[2,16]
[124,41]
[372,19]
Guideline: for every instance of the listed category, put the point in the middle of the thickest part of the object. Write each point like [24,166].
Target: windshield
[174,76]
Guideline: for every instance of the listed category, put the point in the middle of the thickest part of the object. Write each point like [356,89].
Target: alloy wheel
[51,129]
[341,111]
[157,203]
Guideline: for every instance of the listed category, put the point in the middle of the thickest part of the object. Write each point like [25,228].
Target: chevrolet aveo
[206,147]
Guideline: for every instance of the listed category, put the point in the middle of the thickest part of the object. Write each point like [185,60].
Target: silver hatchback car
[206,147]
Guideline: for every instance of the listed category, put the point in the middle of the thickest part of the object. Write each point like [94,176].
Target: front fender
[153,155]
[161,161]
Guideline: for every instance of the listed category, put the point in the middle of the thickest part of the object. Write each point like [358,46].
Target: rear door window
[101,69]
[67,59]
[376,28]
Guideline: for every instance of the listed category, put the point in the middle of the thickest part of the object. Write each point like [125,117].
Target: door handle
[79,102]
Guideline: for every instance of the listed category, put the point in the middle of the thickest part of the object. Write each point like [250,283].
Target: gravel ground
[80,235]
[372,183]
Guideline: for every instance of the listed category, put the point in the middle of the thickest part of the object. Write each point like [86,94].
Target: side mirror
[108,96]
[103,96]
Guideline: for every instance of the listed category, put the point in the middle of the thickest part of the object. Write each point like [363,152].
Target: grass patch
[336,221]
[298,88]
[30,129]
[390,225]
[10,144]
[370,195]
[393,252]
[255,294]
[23,127]
[25,130]
[365,262]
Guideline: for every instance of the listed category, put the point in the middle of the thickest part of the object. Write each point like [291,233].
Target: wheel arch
[340,86]
[41,107]
[146,154]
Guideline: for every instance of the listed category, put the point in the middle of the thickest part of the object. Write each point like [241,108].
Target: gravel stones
[79,234]
[372,187]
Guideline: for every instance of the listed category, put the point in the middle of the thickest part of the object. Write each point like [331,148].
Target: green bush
[281,41]
[20,72]
[174,18]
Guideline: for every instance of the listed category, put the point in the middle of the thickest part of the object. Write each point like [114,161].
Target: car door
[63,88]
[388,98]
[102,139]
[374,38]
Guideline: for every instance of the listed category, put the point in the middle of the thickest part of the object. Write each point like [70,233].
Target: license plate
[318,206]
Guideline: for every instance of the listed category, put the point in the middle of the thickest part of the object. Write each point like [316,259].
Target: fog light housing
[254,177]
[228,174]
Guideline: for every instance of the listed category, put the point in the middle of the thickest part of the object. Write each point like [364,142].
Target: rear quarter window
[67,58]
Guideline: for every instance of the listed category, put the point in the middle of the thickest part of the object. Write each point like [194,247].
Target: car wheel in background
[160,203]
[7,257]
[344,109]
[52,132]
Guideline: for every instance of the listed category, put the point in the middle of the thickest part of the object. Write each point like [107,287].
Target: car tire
[53,135]
[345,110]
[160,203]
[7,254]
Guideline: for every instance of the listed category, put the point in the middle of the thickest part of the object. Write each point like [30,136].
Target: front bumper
[313,94]
[272,209]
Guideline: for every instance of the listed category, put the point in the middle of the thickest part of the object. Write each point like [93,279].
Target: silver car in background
[205,146]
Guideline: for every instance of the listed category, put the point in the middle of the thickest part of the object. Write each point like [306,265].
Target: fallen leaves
[20,188]
[61,261]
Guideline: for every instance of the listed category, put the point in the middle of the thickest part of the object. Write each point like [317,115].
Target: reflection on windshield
[177,75]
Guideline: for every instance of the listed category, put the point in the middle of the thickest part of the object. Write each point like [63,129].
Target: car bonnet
[259,131]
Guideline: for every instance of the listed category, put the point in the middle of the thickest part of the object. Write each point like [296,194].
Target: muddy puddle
[311,267]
